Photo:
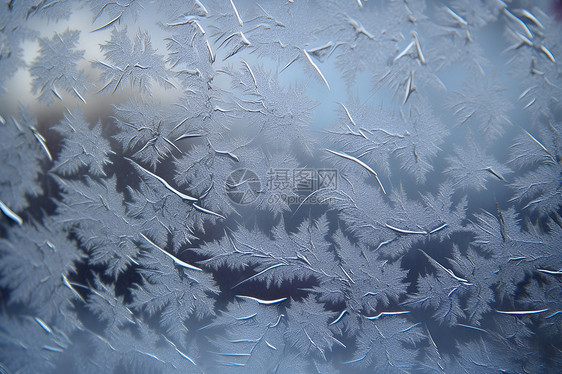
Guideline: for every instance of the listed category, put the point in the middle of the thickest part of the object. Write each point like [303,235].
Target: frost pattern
[167,204]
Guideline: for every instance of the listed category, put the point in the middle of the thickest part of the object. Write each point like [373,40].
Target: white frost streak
[161,180]
[356,160]
[316,68]
[261,301]
[175,259]
[10,213]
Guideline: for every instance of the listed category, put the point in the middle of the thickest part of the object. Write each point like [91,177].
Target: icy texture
[173,200]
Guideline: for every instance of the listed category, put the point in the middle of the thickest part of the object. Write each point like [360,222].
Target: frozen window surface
[280,186]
